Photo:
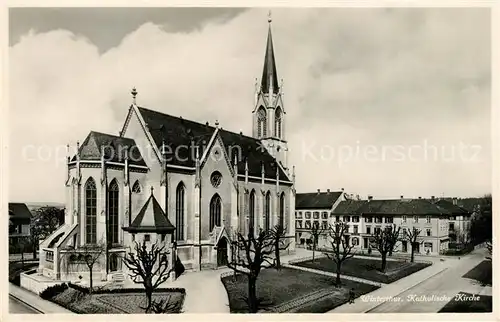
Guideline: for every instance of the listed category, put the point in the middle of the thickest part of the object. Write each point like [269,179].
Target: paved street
[18,307]
[445,284]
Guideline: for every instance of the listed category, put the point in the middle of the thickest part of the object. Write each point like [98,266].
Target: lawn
[458,305]
[367,268]
[112,303]
[292,291]
[481,273]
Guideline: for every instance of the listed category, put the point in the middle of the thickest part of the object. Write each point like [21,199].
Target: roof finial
[134,94]
[269,19]
[152,189]
[216,123]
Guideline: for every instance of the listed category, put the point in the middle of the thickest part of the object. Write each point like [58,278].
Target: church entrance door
[222,252]
[113,263]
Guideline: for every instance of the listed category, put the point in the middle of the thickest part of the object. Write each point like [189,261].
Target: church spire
[269,81]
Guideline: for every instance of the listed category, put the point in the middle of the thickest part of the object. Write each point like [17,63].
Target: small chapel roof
[151,218]
[178,132]
[115,149]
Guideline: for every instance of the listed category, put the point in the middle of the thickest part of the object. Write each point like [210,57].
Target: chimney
[319,190]
[455,201]
[342,189]
[207,124]
[327,190]
[432,198]
[402,197]
[370,198]
[419,197]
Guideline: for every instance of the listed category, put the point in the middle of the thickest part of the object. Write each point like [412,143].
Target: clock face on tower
[216,179]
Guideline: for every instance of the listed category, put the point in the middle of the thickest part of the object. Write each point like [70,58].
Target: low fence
[34,284]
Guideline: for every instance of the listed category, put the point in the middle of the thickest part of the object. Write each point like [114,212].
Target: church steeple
[269,81]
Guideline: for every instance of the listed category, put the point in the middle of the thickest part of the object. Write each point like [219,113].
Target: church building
[187,185]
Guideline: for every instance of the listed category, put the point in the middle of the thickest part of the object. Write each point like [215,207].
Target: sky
[379,101]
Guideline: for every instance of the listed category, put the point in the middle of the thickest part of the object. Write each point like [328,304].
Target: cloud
[352,78]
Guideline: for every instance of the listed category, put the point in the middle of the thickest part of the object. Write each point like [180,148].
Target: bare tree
[384,240]
[316,231]
[413,238]
[342,249]
[87,255]
[44,222]
[278,234]
[149,268]
[253,253]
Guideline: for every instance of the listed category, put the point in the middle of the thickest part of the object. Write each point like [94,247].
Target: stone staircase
[118,279]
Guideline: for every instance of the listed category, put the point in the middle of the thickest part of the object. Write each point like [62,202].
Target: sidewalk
[342,276]
[391,290]
[36,301]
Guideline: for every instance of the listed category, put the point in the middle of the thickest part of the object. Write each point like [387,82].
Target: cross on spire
[152,189]
[134,94]
[269,19]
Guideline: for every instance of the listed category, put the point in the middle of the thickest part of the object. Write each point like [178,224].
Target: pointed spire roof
[151,218]
[269,74]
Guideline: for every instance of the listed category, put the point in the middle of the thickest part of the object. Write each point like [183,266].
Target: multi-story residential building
[459,221]
[365,217]
[19,224]
[314,209]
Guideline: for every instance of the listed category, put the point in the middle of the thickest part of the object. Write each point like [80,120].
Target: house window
[324,215]
[91,211]
[415,219]
[368,230]
[452,226]
[377,230]
[347,219]
[49,256]
[355,218]
[428,232]
[389,220]
[428,219]
[308,215]
[316,215]
[355,241]
[147,238]
[133,237]
[337,218]
[113,207]
[162,237]
[324,224]
[355,227]
[404,232]
[378,219]
[404,219]
[179,211]
[316,223]
[298,223]
[299,215]
[368,219]
[308,225]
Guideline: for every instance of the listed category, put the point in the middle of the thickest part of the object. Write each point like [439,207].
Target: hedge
[124,290]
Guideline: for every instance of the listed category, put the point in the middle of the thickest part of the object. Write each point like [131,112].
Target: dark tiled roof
[269,72]
[315,200]
[151,218]
[19,210]
[176,132]
[115,149]
[449,206]
[470,204]
[390,207]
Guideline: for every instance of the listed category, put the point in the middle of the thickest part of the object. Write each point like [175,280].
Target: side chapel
[169,180]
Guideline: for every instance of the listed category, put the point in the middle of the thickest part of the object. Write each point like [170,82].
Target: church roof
[175,132]
[316,200]
[151,218]
[269,73]
[115,149]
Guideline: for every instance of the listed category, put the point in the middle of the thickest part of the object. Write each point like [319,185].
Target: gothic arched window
[179,211]
[90,212]
[261,122]
[251,217]
[277,122]
[215,212]
[136,188]
[113,209]
[267,209]
[282,210]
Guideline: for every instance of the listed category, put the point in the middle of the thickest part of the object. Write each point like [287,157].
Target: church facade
[185,185]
